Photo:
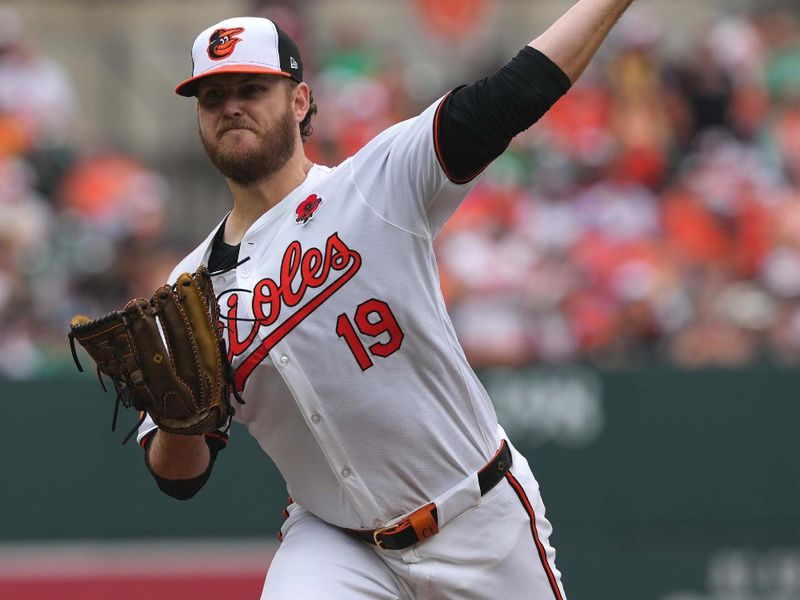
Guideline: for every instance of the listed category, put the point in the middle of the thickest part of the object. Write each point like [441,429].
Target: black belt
[423,522]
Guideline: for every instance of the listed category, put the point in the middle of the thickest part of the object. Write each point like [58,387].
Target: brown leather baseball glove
[184,386]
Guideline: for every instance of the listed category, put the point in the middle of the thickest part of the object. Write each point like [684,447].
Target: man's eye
[251,88]
[210,96]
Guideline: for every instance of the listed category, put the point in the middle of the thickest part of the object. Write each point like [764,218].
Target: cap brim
[188,88]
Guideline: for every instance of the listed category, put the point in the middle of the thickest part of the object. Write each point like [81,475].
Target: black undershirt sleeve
[184,489]
[476,122]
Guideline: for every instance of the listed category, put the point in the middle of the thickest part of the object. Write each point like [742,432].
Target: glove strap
[135,428]
[74,353]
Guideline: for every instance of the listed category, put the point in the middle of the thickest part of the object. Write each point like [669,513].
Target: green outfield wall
[662,484]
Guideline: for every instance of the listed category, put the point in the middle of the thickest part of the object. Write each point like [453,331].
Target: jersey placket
[309,404]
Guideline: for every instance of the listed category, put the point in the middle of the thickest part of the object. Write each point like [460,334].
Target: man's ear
[301,101]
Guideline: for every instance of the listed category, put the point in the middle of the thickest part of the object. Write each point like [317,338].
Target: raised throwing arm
[476,122]
[573,40]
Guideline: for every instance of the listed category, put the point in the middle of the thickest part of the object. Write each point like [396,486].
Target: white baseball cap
[242,45]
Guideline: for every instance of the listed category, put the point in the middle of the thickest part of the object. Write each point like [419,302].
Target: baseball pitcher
[316,300]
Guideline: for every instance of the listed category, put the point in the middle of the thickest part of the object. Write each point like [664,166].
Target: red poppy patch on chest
[307,208]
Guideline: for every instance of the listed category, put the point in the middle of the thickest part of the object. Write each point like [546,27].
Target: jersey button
[345,472]
[284,360]
[315,418]
[244,272]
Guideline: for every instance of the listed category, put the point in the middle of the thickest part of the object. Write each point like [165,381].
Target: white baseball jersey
[354,381]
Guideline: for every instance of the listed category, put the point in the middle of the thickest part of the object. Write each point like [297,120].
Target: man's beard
[255,164]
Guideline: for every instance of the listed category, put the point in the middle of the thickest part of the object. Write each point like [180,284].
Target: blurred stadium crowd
[654,214]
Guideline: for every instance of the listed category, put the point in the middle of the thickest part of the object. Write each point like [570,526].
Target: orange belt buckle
[423,522]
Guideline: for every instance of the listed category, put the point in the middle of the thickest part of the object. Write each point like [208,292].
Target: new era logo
[292,62]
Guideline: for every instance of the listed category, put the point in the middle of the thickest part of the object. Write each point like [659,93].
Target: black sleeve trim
[184,489]
[437,146]
[474,124]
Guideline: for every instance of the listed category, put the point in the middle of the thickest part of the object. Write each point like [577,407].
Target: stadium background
[626,278]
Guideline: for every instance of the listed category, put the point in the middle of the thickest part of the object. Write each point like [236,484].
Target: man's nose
[232,105]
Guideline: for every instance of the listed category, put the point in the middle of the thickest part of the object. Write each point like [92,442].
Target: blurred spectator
[669,225]
[653,214]
[34,90]
[781,32]
[38,105]
[74,233]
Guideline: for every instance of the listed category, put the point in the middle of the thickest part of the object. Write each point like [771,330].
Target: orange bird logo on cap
[222,42]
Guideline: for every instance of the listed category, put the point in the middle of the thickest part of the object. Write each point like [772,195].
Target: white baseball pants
[497,549]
